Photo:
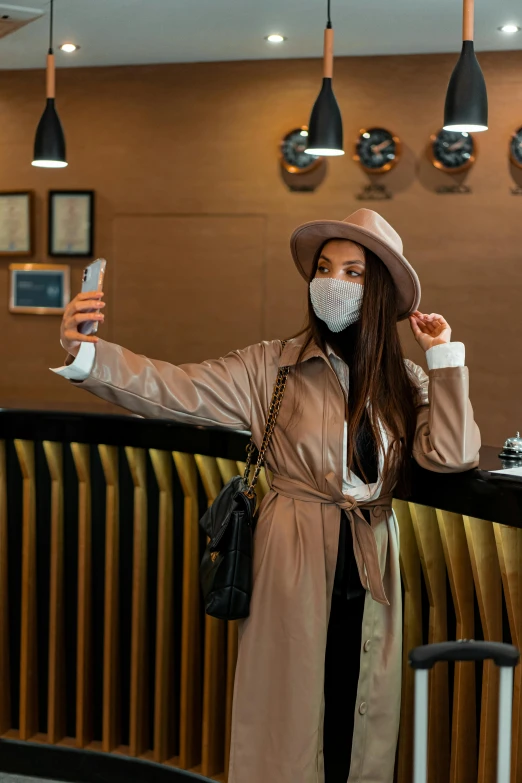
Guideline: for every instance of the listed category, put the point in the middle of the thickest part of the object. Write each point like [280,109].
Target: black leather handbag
[226,568]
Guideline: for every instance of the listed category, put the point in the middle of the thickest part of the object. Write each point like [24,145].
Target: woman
[320,654]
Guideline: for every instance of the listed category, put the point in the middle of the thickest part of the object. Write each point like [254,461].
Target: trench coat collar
[293,347]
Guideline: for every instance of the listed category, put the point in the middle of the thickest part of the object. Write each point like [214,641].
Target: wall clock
[377,150]
[293,158]
[515,148]
[452,151]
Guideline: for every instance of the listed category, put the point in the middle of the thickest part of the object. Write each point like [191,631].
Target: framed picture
[41,289]
[71,223]
[16,223]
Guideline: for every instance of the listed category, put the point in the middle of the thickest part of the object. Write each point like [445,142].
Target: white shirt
[438,357]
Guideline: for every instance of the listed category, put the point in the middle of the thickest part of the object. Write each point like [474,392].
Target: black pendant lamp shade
[325,129]
[49,144]
[466,108]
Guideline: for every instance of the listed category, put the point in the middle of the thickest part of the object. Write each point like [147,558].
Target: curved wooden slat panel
[190,710]
[214,677]
[463,766]
[56,694]
[411,577]
[28,641]
[138,723]
[488,586]
[509,547]
[165,719]
[81,457]
[110,721]
[432,559]
[5,692]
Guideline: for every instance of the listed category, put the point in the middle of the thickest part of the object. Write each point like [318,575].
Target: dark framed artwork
[41,289]
[16,223]
[71,223]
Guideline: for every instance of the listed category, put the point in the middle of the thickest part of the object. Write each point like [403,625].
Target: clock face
[293,156]
[515,148]
[452,151]
[377,150]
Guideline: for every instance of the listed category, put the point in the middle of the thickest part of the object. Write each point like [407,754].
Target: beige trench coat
[279,702]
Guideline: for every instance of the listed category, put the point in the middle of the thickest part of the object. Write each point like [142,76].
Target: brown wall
[194,218]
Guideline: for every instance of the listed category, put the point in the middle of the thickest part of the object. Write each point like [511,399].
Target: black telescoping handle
[464,650]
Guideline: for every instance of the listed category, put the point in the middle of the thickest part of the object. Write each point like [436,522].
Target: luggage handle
[464,650]
[422,659]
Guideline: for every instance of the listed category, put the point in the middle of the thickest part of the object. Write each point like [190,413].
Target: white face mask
[336,302]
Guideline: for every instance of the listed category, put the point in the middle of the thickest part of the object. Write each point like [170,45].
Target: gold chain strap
[273,412]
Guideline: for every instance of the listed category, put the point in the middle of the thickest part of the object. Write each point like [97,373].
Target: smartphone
[92,280]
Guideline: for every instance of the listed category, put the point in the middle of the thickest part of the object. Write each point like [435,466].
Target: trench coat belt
[363,534]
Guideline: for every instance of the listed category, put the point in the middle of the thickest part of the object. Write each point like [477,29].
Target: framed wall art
[41,289]
[71,223]
[16,223]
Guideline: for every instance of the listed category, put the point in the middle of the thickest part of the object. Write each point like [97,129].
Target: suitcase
[422,659]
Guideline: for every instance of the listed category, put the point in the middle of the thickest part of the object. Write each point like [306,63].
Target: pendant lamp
[325,129]
[466,107]
[49,144]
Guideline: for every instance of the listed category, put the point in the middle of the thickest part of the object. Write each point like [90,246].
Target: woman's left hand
[430,330]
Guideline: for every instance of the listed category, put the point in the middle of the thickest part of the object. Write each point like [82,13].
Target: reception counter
[106,657]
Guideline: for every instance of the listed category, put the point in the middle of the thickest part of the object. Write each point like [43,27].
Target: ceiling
[125,32]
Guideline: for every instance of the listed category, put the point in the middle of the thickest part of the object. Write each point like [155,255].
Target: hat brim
[308,238]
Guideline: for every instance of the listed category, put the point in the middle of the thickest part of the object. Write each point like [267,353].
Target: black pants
[343,650]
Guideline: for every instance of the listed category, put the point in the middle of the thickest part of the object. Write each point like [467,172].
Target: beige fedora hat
[370,230]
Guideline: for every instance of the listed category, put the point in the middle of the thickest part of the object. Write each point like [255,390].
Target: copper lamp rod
[50,76]
[469,13]
[328,52]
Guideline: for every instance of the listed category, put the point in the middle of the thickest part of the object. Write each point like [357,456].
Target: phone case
[92,281]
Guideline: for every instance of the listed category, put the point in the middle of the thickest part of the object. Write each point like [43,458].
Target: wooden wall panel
[28,641]
[463,734]
[190,172]
[56,694]
[211,295]
[488,586]
[81,456]
[5,694]
[432,559]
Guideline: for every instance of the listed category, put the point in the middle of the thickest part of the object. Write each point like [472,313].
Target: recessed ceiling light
[509,28]
[275,38]
[69,47]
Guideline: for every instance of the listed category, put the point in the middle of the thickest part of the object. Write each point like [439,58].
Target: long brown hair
[381,393]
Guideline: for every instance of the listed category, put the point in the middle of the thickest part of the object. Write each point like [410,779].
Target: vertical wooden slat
[488,586]
[213,739]
[165,719]
[411,577]
[138,728]
[110,723]
[56,694]
[463,768]
[81,456]
[190,711]
[228,469]
[28,651]
[509,547]
[5,691]
[432,559]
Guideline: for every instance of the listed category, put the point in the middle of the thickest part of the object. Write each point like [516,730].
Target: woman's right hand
[76,313]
